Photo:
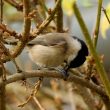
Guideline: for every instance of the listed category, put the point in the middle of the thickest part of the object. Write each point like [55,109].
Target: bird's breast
[47,56]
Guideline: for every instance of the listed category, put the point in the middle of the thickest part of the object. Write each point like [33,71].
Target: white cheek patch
[75,47]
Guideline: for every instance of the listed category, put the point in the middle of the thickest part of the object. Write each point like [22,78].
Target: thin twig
[43,8]
[46,21]
[59,18]
[2,71]
[96,32]
[2,98]
[38,103]
[90,66]
[1,12]
[26,31]
[27,21]
[104,10]
[8,54]
[18,6]
[25,36]
[21,45]
[100,67]
[2,88]
[42,2]
[23,104]
[34,92]
[11,32]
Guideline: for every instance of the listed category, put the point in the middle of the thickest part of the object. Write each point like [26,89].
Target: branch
[46,21]
[54,74]
[27,21]
[20,45]
[26,31]
[96,33]
[2,97]
[1,11]
[25,36]
[100,67]
[59,18]
[26,27]
[104,10]
[11,32]
[2,72]
[38,103]
[18,6]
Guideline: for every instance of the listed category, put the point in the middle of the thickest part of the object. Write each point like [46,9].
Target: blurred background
[53,99]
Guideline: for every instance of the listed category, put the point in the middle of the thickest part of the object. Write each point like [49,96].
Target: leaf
[67,6]
[104,26]
[86,3]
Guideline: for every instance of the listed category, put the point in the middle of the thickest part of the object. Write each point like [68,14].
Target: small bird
[53,49]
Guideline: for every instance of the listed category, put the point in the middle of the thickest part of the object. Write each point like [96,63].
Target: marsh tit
[53,49]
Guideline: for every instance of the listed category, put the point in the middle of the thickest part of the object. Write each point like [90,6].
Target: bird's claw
[63,72]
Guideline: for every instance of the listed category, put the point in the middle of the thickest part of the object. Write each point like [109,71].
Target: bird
[53,49]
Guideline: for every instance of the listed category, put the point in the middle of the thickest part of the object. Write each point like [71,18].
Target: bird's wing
[48,41]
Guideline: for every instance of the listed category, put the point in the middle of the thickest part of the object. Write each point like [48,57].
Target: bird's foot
[63,72]
[19,70]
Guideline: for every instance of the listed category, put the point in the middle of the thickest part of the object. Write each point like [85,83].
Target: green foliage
[68,6]
[104,26]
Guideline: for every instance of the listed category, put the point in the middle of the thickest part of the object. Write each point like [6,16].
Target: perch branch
[54,74]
